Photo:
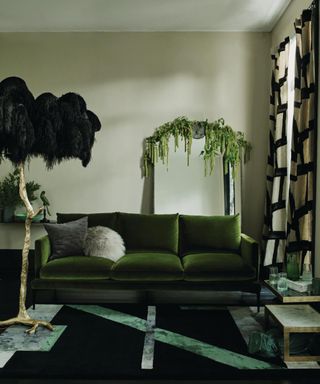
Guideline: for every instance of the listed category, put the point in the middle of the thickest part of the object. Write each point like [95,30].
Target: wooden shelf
[33,223]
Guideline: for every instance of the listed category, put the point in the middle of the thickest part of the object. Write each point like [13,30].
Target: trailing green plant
[220,139]
[9,190]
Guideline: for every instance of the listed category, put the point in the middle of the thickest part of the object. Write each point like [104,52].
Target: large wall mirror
[186,190]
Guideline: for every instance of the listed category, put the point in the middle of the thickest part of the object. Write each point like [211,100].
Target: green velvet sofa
[171,252]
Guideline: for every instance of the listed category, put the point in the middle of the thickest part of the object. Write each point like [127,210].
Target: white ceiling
[139,15]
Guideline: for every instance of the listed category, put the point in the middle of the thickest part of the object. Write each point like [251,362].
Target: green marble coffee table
[298,318]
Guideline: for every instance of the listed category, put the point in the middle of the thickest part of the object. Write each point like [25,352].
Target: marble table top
[296,316]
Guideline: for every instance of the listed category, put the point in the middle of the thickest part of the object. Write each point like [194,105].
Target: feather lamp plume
[48,125]
[16,126]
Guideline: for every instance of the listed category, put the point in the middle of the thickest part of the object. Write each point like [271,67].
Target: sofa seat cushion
[77,268]
[216,267]
[148,266]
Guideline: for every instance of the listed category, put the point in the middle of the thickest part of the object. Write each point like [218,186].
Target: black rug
[93,347]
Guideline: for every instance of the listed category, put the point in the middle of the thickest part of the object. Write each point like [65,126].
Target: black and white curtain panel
[289,208]
[300,218]
[275,220]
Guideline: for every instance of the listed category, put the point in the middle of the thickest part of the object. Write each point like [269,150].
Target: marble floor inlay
[149,341]
[189,344]
[15,338]
[247,319]
[5,356]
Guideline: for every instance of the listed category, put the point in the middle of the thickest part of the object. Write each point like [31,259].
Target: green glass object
[263,344]
[293,266]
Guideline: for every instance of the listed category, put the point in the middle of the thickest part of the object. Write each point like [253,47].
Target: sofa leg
[258,299]
[33,299]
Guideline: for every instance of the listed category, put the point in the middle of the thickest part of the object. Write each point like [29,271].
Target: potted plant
[9,194]
[219,139]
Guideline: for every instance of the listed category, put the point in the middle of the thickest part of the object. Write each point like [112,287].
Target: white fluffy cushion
[104,242]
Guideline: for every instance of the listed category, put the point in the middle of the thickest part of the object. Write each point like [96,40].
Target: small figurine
[46,204]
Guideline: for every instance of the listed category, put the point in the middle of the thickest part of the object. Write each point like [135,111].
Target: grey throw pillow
[67,239]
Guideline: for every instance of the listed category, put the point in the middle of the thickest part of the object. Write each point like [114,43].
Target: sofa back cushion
[208,233]
[94,219]
[149,232]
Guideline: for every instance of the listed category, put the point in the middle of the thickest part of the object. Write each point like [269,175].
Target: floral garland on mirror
[220,139]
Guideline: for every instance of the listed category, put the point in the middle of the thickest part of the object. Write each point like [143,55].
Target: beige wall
[135,82]
[285,27]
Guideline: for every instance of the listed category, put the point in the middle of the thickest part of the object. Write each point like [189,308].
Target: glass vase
[307,272]
[282,285]
[293,266]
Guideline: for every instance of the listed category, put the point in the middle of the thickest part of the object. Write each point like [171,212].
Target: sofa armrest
[249,250]
[42,251]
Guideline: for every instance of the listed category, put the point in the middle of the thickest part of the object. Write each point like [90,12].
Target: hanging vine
[220,139]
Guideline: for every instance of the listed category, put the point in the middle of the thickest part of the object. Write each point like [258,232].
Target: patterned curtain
[300,217]
[275,220]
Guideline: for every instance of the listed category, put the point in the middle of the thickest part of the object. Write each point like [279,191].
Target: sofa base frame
[146,287]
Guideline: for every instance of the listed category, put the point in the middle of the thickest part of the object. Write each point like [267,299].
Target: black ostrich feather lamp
[53,128]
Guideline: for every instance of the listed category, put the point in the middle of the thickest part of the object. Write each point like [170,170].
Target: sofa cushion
[94,219]
[75,267]
[209,233]
[216,267]
[148,267]
[67,239]
[149,232]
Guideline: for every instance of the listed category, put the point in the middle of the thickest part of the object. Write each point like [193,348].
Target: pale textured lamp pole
[23,317]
